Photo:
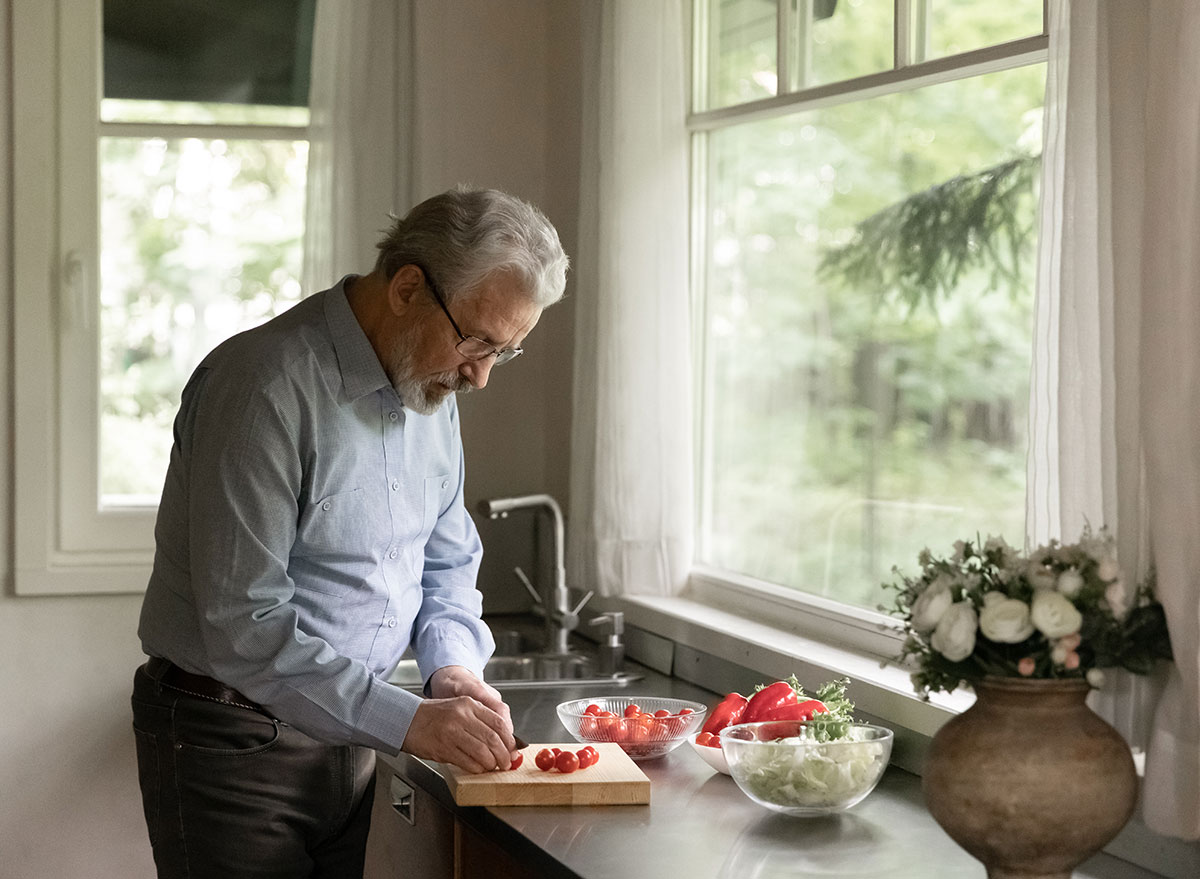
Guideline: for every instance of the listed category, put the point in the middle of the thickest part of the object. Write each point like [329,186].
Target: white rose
[1054,615]
[1005,621]
[1114,594]
[993,597]
[1070,582]
[930,605]
[1095,677]
[954,637]
[1108,569]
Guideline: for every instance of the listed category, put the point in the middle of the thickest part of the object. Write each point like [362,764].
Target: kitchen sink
[527,670]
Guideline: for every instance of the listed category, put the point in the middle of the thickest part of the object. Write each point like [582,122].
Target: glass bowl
[714,757]
[639,737]
[781,765]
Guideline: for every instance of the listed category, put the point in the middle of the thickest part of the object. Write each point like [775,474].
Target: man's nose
[477,372]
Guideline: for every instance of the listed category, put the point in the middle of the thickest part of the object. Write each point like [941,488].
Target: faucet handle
[616,617]
[537,598]
[582,602]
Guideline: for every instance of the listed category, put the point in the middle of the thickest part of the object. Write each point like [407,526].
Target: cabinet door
[478,857]
[412,834]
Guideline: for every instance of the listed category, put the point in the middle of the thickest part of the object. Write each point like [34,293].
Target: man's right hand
[462,731]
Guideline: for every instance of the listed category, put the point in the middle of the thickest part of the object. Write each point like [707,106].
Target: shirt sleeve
[243,483]
[449,629]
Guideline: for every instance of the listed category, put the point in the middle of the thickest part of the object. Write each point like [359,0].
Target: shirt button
[395,485]
[391,623]
[394,415]
[327,506]
[393,553]
[445,485]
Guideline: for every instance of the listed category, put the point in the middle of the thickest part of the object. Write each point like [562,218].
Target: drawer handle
[403,800]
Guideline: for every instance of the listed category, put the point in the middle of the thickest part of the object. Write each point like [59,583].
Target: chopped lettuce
[802,770]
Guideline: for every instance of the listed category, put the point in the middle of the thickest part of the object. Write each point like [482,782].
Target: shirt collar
[362,373]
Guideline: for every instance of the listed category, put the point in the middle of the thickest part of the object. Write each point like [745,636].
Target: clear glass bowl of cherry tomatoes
[644,726]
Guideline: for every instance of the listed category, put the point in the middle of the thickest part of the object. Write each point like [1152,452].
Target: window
[864,240]
[160,209]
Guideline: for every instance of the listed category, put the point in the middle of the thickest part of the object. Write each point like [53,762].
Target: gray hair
[464,235]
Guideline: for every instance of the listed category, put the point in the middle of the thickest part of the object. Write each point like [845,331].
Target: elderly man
[312,529]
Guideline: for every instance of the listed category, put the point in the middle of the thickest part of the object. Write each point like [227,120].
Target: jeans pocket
[148,779]
[214,729]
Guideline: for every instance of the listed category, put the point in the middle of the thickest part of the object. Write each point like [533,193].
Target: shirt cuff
[452,652]
[387,714]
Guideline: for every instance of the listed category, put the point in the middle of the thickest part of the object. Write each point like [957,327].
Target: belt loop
[156,668]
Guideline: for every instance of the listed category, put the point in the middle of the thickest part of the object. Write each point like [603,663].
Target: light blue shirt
[311,529]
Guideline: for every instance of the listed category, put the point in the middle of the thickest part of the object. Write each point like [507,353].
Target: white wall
[497,105]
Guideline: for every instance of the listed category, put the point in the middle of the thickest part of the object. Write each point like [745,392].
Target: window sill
[715,646]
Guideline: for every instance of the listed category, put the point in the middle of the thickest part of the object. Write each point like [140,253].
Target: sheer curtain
[631,471]
[359,148]
[1116,392]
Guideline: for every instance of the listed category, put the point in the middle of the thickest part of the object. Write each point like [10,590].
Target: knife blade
[521,743]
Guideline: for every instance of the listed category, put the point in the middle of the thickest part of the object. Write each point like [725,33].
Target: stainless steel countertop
[700,825]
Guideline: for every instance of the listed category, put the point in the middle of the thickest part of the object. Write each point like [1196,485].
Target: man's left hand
[457,680]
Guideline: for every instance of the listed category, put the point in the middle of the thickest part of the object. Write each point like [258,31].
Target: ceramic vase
[1030,780]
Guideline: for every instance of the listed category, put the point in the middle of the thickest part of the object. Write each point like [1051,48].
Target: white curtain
[359,134]
[1116,390]
[631,470]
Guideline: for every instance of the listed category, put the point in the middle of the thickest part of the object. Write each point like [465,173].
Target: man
[311,529]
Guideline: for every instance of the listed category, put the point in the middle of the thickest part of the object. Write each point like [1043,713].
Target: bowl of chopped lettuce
[806,767]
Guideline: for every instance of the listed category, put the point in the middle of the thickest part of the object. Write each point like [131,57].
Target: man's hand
[466,723]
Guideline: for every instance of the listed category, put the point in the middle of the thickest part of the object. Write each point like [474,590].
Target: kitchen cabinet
[414,834]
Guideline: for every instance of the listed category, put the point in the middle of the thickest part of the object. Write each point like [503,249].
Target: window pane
[962,25]
[174,113]
[849,38]
[218,51]
[200,239]
[854,414]
[741,51]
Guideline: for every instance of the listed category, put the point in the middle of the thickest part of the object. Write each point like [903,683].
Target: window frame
[66,542]
[758,602]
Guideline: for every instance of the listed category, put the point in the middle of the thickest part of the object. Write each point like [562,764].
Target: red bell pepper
[797,711]
[728,711]
[768,700]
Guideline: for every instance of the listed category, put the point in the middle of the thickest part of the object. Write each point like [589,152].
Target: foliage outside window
[202,166]
[865,240]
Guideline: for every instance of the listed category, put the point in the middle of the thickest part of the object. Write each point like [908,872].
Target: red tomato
[556,751]
[636,731]
[705,739]
[544,759]
[683,712]
[592,709]
[566,762]
[662,712]
[632,710]
[587,756]
[518,761]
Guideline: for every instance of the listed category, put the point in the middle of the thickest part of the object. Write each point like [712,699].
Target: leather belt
[172,676]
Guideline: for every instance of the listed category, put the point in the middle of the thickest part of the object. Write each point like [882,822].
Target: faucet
[561,618]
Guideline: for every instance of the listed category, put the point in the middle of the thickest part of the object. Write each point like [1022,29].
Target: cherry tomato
[592,709]
[662,712]
[567,762]
[632,710]
[684,712]
[544,759]
[588,728]
[518,761]
[593,756]
[636,732]
[556,751]
[705,739]
[585,757]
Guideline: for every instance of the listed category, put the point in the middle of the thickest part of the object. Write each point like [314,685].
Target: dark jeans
[230,792]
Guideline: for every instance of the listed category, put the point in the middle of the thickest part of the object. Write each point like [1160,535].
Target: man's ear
[405,285]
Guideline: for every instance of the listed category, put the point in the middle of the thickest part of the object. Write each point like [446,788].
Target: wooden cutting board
[614,780]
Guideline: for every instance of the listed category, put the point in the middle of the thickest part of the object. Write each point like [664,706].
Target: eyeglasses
[470,347]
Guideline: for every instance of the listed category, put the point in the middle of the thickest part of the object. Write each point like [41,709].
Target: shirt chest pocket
[334,527]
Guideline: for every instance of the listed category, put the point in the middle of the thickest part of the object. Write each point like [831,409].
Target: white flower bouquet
[1062,611]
